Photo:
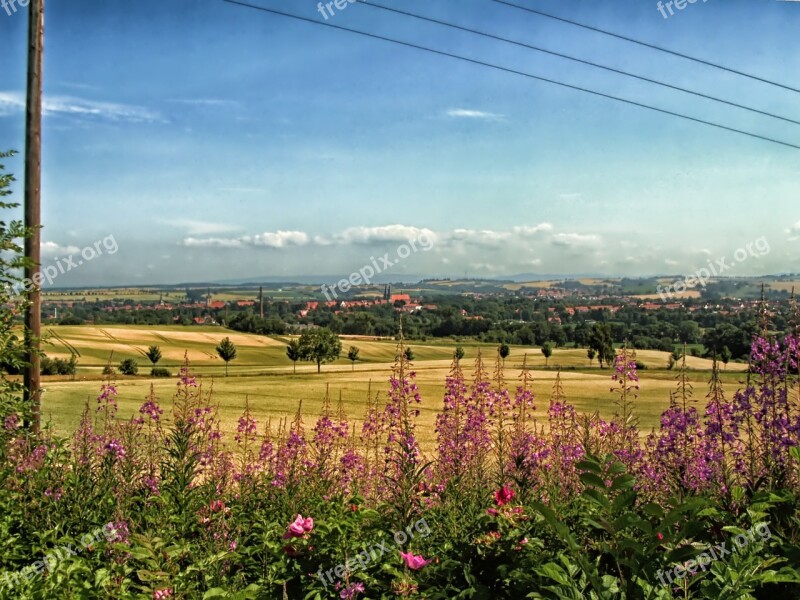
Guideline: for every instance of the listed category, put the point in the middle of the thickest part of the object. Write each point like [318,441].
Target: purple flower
[11,422]
[351,591]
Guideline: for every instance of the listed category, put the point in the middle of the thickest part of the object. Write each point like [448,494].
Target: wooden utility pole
[261,299]
[33,178]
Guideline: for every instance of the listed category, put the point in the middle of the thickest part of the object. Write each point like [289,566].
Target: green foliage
[725,355]
[70,320]
[293,353]
[616,545]
[547,352]
[352,355]
[503,350]
[12,263]
[607,542]
[129,367]
[58,366]
[153,354]
[227,352]
[160,372]
[601,341]
[319,345]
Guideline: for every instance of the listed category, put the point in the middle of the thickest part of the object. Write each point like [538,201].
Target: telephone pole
[33,215]
[261,299]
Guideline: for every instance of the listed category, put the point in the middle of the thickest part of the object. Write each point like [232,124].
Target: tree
[352,354]
[725,356]
[547,350]
[504,351]
[600,340]
[320,345]
[409,354]
[128,367]
[459,353]
[153,354]
[293,353]
[737,339]
[13,349]
[227,352]
[591,353]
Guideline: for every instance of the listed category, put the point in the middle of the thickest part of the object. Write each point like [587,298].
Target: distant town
[722,315]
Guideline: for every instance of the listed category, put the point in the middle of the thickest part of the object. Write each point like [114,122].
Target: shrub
[70,320]
[128,367]
[160,372]
[109,370]
[58,366]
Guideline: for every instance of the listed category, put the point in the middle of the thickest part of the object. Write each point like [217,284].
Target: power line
[512,71]
[578,60]
[648,45]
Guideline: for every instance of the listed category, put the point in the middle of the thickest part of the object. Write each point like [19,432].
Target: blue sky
[215,142]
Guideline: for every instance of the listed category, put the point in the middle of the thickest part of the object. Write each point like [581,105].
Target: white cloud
[464,113]
[573,240]
[387,233]
[794,232]
[193,227]
[280,239]
[483,237]
[268,239]
[212,243]
[13,102]
[204,102]
[530,230]
[54,250]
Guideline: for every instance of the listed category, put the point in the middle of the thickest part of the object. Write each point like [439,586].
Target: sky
[198,140]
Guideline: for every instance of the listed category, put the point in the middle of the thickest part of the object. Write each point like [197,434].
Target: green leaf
[590,465]
[623,482]
[591,479]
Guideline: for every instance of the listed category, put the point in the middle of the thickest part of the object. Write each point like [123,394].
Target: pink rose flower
[414,561]
[504,495]
[300,527]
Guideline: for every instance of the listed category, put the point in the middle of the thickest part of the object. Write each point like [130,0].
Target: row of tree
[321,346]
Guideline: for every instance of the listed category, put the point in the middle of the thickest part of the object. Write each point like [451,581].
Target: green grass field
[262,375]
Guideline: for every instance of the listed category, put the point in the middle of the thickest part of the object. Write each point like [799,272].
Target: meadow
[264,377]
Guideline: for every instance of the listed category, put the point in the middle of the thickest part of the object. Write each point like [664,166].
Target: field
[263,376]
[130,294]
